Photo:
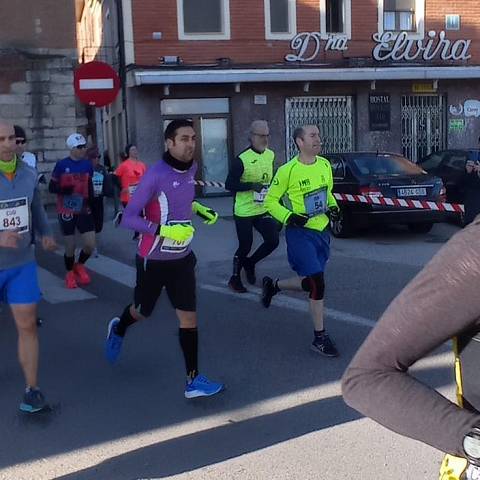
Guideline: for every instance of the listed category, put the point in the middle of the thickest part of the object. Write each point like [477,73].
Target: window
[203,19]
[399,15]
[452,22]
[402,16]
[280,19]
[335,18]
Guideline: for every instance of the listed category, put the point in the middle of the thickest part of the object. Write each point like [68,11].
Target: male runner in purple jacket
[164,258]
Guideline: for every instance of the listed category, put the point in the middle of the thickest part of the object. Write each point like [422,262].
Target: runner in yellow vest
[249,176]
[301,198]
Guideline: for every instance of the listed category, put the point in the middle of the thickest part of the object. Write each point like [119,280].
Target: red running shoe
[81,273]
[70,281]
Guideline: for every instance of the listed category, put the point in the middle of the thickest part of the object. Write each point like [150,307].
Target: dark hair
[299,132]
[174,125]
[127,149]
[20,132]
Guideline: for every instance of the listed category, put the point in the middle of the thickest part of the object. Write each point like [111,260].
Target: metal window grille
[423,125]
[332,115]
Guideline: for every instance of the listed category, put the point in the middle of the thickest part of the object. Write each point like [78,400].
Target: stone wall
[36,92]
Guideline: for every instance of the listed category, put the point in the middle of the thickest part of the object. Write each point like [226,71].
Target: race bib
[172,246]
[14,215]
[316,202]
[259,197]
[73,203]
[97,180]
[132,188]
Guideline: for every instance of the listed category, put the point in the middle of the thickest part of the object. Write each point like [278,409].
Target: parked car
[449,165]
[383,175]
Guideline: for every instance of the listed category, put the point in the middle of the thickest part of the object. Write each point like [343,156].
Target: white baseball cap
[75,140]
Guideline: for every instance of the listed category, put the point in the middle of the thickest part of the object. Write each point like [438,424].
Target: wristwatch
[471,445]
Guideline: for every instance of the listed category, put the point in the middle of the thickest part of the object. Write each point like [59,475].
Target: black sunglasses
[21,142]
[79,147]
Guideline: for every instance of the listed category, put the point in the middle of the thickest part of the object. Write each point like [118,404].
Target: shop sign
[390,46]
[379,111]
[396,47]
[307,46]
[456,125]
[425,87]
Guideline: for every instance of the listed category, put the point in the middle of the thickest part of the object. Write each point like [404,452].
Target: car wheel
[420,227]
[343,227]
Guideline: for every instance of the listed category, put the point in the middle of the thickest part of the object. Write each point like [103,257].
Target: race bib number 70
[14,215]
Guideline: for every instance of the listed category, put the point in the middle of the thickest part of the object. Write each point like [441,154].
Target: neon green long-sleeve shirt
[307,190]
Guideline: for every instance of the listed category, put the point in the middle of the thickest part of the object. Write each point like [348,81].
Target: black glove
[297,220]
[334,214]
[257,187]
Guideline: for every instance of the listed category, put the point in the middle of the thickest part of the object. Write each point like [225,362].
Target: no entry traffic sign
[96,83]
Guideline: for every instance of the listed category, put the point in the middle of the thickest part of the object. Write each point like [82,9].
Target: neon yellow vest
[257,168]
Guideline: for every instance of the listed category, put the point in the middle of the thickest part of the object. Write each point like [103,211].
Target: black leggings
[266,226]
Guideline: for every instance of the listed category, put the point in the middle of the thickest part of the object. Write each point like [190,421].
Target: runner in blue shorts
[304,185]
[21,212]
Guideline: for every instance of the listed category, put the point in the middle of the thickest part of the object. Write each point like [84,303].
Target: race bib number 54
[14,215]
[316,202]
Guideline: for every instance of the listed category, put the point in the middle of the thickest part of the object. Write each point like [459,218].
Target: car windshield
[376,165]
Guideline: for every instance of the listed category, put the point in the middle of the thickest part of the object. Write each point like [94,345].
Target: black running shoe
[324,346]
[268,291]
[235,283]
[249,268]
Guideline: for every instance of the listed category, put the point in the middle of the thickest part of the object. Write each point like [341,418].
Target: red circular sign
[96,83]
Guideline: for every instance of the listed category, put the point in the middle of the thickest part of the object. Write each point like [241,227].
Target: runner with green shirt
[306,182]
[249,176]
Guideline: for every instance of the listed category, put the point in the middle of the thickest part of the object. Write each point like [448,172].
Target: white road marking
[293,304]
[126,275]
[54,290]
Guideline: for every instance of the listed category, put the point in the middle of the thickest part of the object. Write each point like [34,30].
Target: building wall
[42,24]
[147,126]
[248,44]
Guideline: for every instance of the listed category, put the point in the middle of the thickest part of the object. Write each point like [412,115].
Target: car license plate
[412,192]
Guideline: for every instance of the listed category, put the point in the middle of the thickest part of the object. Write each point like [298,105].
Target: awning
[206,76]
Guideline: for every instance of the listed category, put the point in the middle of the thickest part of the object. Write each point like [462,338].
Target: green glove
[180,232]
[210,216]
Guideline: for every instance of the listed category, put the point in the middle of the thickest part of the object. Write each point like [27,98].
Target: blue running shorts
[20,285]
[308,250]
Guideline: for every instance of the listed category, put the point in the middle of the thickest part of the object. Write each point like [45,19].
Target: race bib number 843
[14,215]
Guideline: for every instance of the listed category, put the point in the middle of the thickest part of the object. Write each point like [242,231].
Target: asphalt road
[281,416]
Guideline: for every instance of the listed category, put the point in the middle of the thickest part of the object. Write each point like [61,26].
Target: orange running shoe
[81,273]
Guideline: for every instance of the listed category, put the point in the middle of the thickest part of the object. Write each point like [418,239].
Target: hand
[49,244]
[334,214]
[258,187]
[9,239]
[210,216]
[297,220]
[469,166]
[180,232]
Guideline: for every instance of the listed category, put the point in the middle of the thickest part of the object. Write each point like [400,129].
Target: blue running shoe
[113,345]
[201,386]
[33,401]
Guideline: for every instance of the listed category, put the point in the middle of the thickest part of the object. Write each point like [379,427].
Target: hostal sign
[389,46]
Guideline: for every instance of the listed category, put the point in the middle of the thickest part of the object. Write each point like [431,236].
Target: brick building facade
[396,75]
